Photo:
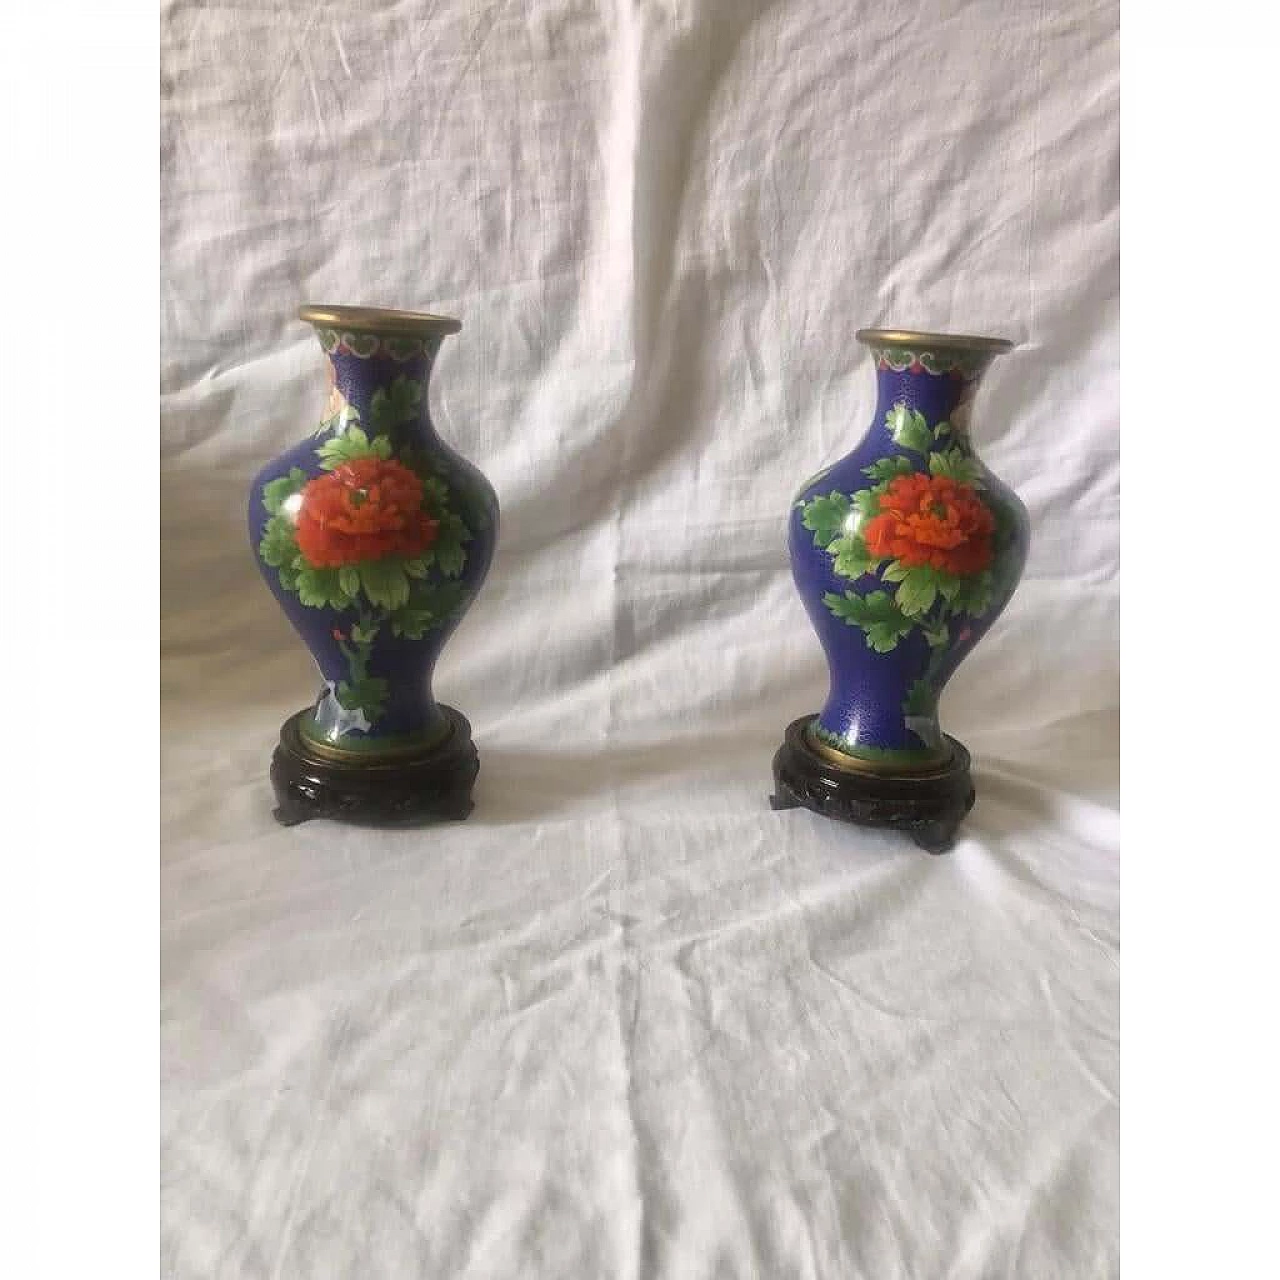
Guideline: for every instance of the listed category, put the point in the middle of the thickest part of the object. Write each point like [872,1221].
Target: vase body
[904,553]
[374,536]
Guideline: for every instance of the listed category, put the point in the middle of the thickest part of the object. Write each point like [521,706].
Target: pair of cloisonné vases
[374,536]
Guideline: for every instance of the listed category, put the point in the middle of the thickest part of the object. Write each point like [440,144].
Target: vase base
[927,807]
[434,786]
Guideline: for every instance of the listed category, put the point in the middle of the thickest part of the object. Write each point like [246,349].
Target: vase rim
[934,341]
[377,320]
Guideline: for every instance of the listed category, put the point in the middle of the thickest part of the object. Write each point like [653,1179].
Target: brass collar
[378,320]
[396,753]
[855,764]
[931,341]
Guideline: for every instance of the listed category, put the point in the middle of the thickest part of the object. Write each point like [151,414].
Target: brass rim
[398,754]
[378,320]
[853,764]
[932,341]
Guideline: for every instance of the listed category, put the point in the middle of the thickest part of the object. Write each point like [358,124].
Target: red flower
[363,510]
[932,520]
[337,634]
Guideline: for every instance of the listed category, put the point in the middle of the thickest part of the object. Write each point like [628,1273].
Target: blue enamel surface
[864,707]
[406,664]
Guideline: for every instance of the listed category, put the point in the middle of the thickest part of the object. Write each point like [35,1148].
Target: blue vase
[904,553]
[374,536]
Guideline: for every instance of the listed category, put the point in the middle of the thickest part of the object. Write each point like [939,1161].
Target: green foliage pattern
[407,597]
[889,600]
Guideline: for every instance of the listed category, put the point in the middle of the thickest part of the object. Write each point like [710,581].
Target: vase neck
[936,375]
[940,388]
[379,380]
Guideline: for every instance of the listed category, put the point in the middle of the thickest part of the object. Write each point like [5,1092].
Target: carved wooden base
[435,786]
[927,807]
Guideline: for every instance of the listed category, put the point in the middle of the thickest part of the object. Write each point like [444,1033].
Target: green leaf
[897,419]
[826,517]
[430,605]
[350,445]
[275,492]
[381,447]
[355,437]
[363,635]
[413,623]
[868,501]
[435,492]
[1006,524]
[909,428]
[448,598]
[419,568]
[885,470]
[320,588]
[974,594]
[882,622]
[919,585]
[447,548]
[368,695]
[445,600]
[451,560]
[917,591]
[380,409]
[852,557]
[475,506]
[391,407]
[445,486]
[289,577]
[279,545]
[937,637]
[949,587]
[958,466]
[883,637]
[920,700]
[839,605]
[349,579]
[385,582]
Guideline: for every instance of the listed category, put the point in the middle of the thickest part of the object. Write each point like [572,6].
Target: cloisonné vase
[904,554]
[374,536]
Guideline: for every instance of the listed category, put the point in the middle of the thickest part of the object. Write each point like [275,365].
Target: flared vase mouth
[916,339]
[379,320]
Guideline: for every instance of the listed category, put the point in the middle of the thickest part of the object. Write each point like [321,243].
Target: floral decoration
[399,347]
[372,536]
[920,541]
[960,363]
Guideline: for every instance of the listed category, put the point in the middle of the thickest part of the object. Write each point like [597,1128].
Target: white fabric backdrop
[626,1021]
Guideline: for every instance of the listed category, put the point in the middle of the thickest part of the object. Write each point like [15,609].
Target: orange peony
[932,520]
[363,510]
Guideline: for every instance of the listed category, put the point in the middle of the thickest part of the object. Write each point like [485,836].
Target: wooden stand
[927,807]
[435,786]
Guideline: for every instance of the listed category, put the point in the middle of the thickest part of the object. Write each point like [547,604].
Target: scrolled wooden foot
[433,787]
[927,807]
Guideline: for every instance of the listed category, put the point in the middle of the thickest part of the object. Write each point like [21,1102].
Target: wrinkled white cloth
[627,1021]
